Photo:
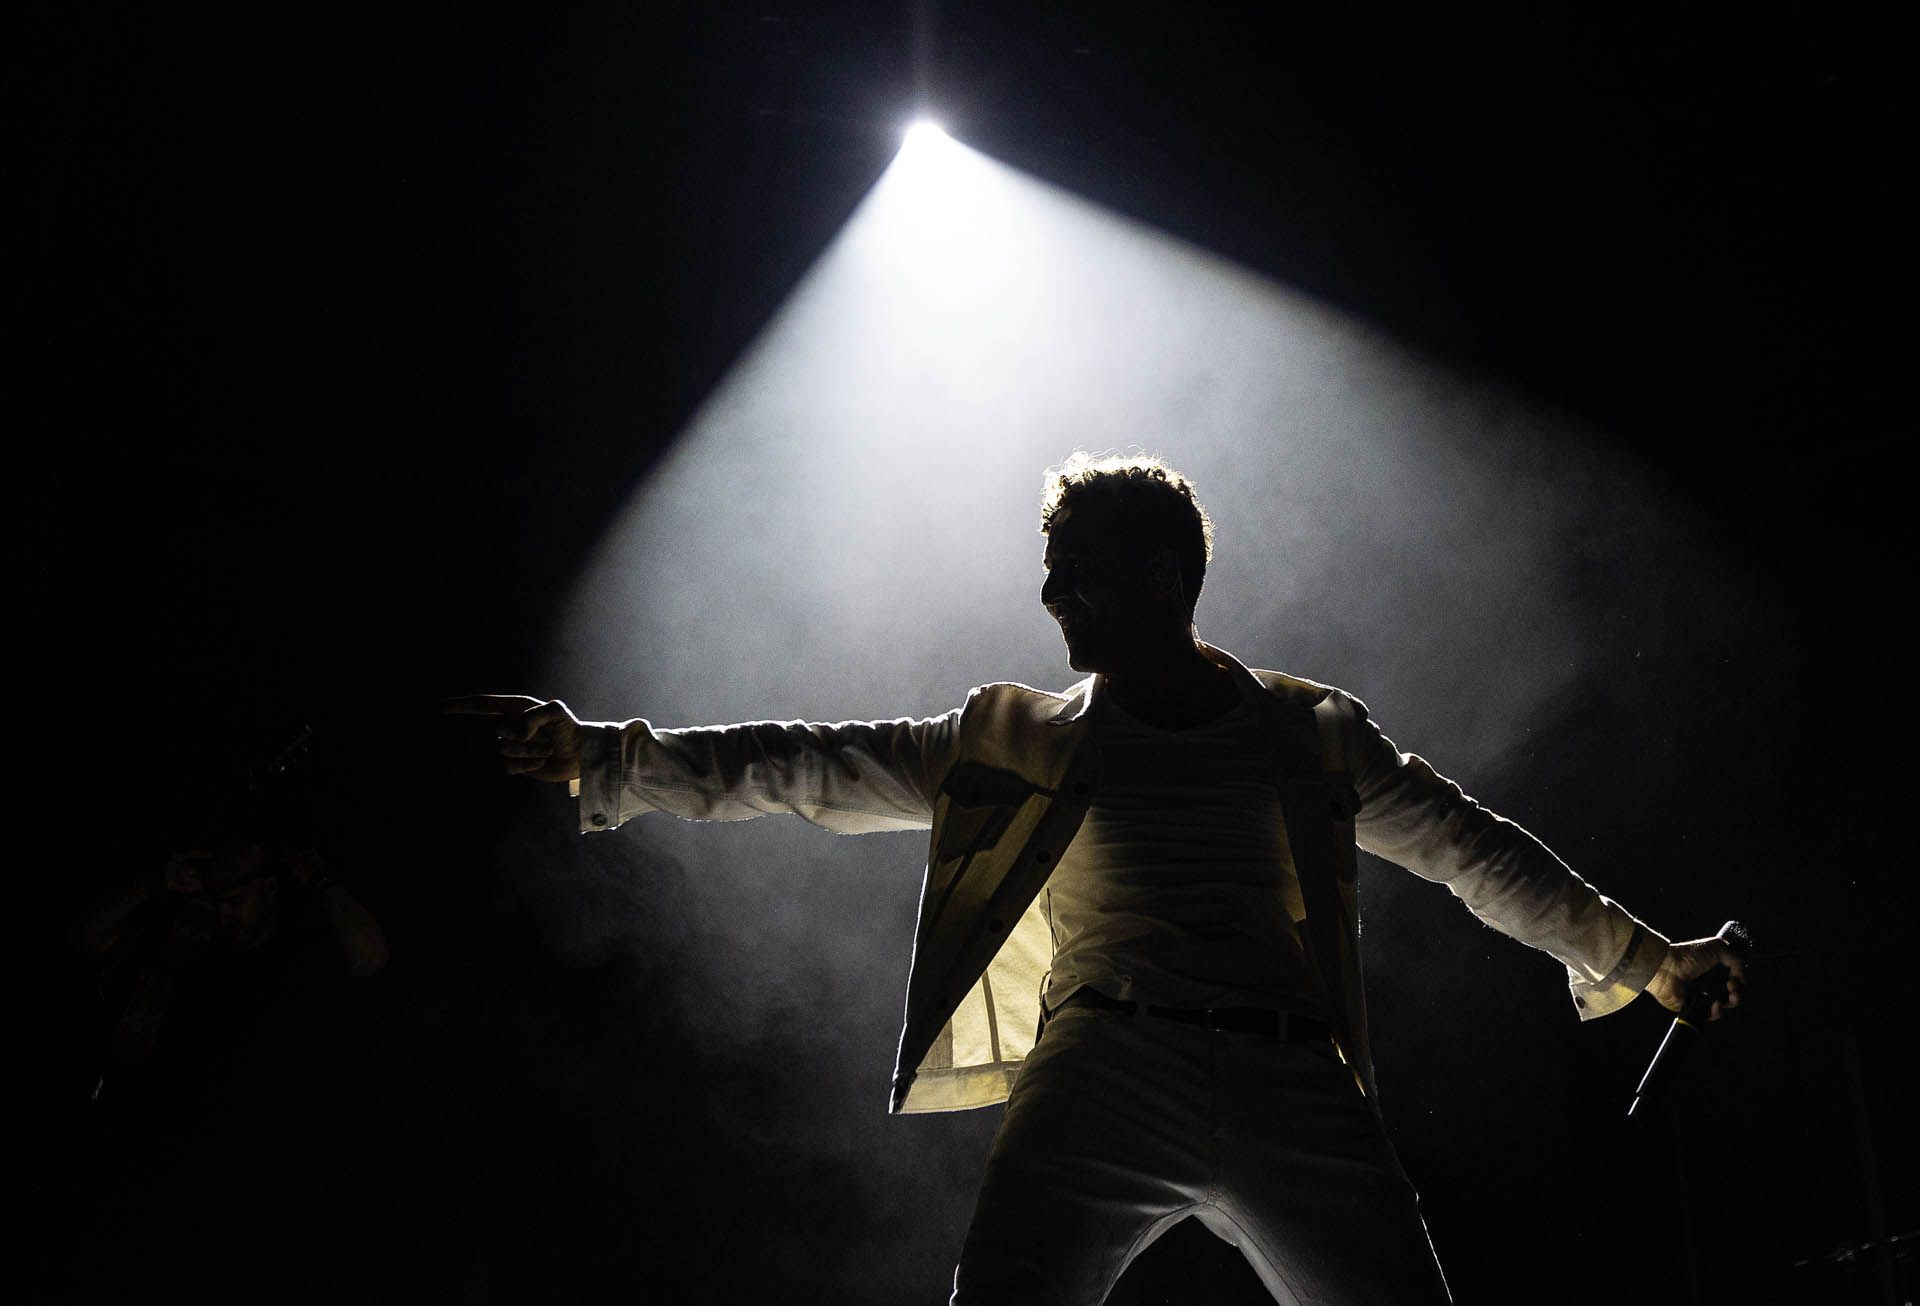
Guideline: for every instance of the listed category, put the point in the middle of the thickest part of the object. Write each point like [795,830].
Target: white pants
[1120,1126]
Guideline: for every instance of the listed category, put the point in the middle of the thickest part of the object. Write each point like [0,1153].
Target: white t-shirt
[1179,889]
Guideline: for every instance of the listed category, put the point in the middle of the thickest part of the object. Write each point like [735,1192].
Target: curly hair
[1157,506]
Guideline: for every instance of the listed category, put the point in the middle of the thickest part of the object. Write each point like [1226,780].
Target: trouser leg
[1309,1187]
[1100,1151]
[1120,1127]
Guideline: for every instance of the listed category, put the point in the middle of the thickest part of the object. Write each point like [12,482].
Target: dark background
[346,330]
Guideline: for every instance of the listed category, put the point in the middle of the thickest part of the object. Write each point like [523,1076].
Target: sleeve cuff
[598,787]
[1645,950]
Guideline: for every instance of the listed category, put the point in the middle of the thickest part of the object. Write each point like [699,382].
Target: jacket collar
[1221,658]
[1090,693]
[1078,701]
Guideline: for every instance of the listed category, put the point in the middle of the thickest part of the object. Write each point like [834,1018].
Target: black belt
[1237,1020]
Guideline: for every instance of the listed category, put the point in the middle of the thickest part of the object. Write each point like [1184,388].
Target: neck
[1172,686]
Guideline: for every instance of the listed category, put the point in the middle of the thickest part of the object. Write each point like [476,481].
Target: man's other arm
[852,777]
[1412,815]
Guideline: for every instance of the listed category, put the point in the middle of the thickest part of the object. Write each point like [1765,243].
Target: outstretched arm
[1413,815]
[853,777]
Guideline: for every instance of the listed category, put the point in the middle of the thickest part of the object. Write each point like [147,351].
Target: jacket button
[599,818]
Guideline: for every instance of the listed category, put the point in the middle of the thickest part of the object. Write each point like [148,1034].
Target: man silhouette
[1138,925]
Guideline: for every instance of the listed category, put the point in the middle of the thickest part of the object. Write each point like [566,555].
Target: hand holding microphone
[1699,980]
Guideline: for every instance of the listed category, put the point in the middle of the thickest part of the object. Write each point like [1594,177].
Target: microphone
[1705,991]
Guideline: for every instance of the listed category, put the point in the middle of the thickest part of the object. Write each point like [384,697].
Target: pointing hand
[538,737]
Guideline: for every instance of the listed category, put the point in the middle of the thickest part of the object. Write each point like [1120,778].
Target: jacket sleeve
[1413,815]
[853,777]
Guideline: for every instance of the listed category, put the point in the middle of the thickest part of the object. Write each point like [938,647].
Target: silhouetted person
[230,917]
[1157,868]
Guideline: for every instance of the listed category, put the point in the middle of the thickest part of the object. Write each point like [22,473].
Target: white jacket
[1004,782]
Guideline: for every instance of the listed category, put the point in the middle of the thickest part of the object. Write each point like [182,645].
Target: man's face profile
[1094,588]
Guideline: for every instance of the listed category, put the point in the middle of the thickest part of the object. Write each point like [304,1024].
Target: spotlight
[924,132]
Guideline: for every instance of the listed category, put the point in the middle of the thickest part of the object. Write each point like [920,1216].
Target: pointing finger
[536,717]
[487,704]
